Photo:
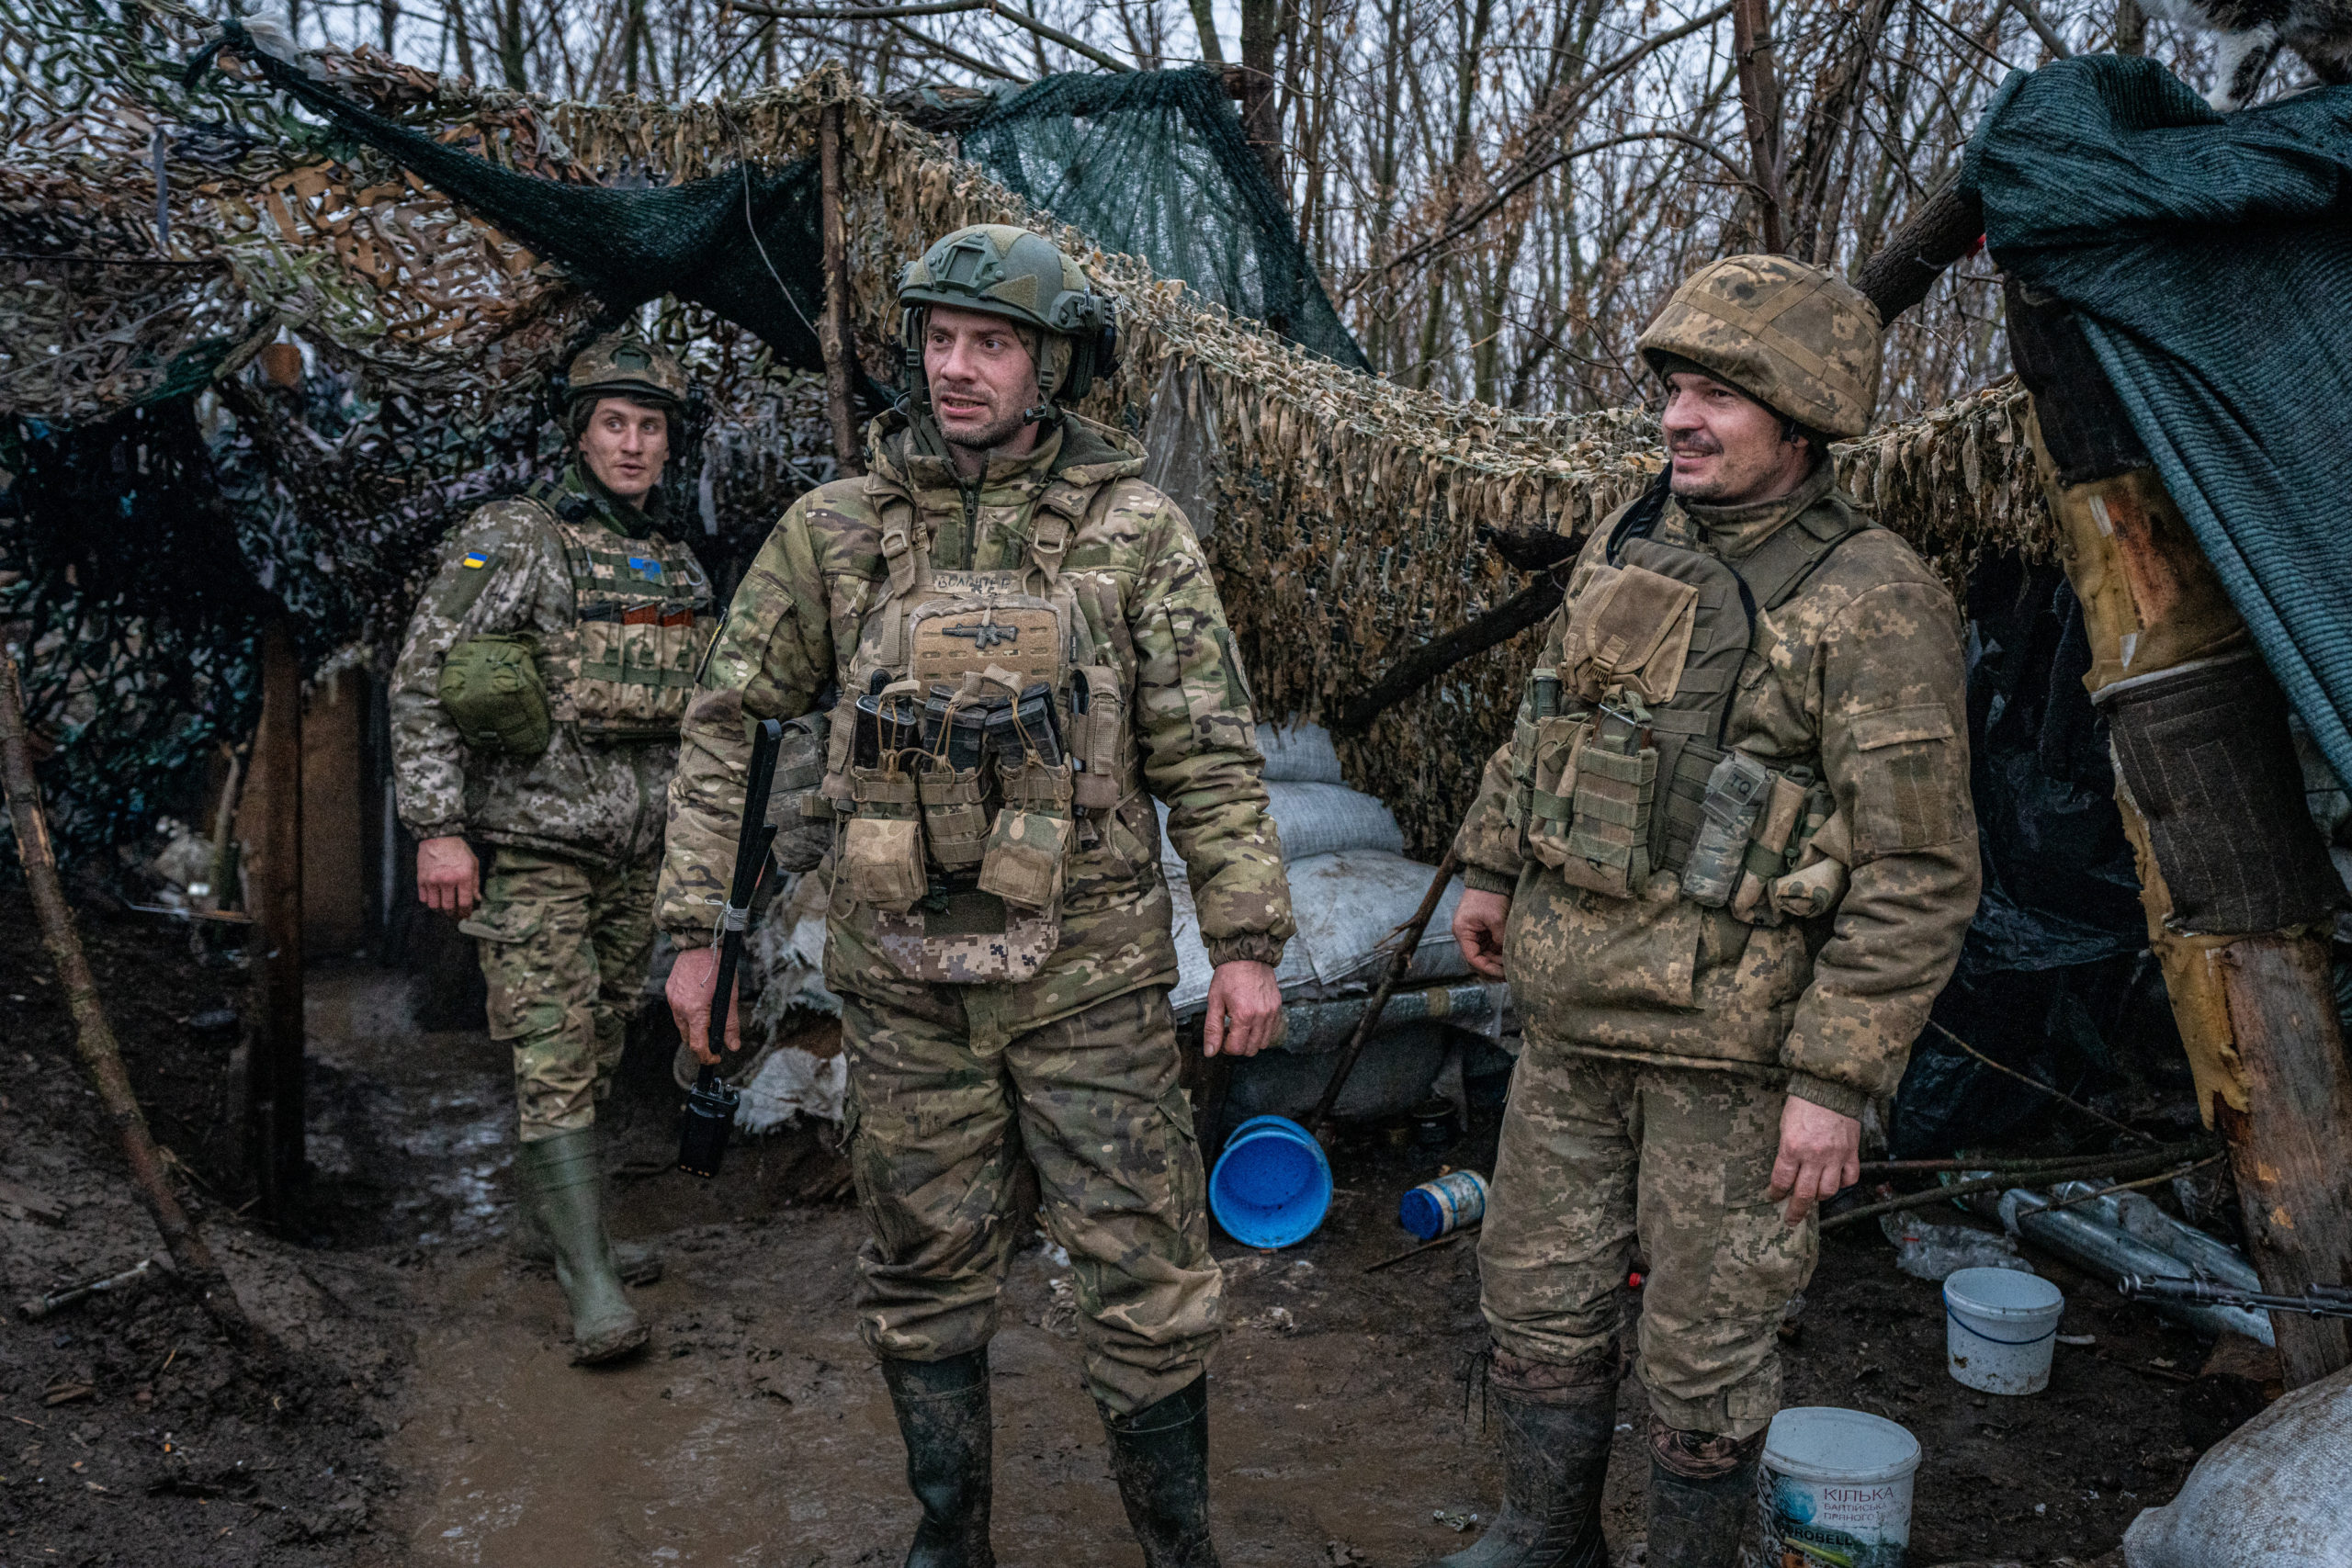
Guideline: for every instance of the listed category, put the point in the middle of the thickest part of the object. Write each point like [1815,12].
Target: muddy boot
[635,1261]
[943,1416]
[1160,1455]
[1702,1487]
[563,1186]
[1556,1423]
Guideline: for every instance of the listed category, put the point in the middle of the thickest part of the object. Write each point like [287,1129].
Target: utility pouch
[1098,738]
[1543,703]
[881,861]
[1032,838]
[1631,628]
[1737,792]
[954,814]
[1615,787]
[1552,778]
[1769,847]
[491,690]
[1826,848]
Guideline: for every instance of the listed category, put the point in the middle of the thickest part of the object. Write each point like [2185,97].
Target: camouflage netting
[364,359]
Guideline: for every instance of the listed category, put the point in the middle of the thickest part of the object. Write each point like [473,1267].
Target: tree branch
[933,8]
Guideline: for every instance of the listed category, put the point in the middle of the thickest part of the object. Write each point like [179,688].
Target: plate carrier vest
[643,617]
[959,850]
[1617,745]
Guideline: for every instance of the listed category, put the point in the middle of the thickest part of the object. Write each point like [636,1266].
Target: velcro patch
[646,564]
[476,559]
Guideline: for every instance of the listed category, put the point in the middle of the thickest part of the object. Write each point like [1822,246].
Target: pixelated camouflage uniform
[1662,1037]
[951,1084]
[565,923]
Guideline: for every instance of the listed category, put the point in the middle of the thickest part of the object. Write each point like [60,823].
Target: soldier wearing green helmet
[1726,863]
[535,708]
[1019,645]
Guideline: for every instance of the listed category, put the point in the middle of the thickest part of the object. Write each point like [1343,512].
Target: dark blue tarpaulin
[2208,259]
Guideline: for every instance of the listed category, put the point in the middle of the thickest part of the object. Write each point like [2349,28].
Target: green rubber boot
[636,1262]
[1160,1456]
[1702,1488]
[942,1408]
[563,1188]
[1555,1457]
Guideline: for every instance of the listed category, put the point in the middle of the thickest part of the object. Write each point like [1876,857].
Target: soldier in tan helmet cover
[1020,646]
[535,708]
[1726,862]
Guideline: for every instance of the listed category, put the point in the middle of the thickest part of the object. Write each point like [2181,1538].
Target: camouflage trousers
[1598,1154]
[939,1131]
[564,946]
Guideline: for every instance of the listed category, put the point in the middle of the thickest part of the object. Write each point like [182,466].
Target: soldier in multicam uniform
[536,707]
[1020,645]
[1726,862]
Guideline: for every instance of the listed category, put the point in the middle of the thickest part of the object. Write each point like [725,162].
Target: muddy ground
[425,1412]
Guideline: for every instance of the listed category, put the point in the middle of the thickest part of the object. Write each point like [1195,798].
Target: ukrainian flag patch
[647,565]
[475,561]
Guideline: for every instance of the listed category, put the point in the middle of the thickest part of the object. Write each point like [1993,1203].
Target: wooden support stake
[832,327]
[1400,964]
[93,1034]
[274,1108]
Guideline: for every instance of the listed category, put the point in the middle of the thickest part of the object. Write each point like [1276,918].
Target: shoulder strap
[1640,517]
[1062,509]
[906,547]
[1780,566]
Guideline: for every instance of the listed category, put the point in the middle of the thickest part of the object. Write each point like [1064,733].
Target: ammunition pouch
[492,692]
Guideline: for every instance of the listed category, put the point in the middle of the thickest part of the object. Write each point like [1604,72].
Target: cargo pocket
[503,929]
[1907,779]
[502,923]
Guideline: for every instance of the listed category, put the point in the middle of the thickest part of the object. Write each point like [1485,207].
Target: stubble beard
[989,436]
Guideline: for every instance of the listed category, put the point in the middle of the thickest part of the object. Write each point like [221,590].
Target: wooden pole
[2257,1010]
[93,1034]
[832,327]
[274,1078]
[1400,964]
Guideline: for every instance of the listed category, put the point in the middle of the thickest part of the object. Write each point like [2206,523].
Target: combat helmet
[621,365]
[1024,278]
[1800,341]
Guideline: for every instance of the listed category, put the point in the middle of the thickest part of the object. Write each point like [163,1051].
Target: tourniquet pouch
[1608,848]
[1552,778]
[1032,836]
[881,861]
[955,813]
[1098,738]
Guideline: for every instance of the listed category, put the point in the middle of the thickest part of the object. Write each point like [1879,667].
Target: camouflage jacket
[502,573]
[1858,676]
[1143,584]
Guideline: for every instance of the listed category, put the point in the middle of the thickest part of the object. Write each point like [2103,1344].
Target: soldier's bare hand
[693,978]
[1478,923]
[1245,1013]
[448,878]
[1821,1156]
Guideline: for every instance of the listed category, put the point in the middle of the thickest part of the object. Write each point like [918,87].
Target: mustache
[1694,444]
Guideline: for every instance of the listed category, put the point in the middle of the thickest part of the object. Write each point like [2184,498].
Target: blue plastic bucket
[1453,1201]
[1271,1187]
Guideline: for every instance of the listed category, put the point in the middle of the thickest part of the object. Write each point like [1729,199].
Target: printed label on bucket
[1826,1525]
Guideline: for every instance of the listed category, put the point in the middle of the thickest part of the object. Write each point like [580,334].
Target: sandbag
[1315,819]
[1298,753]
[2268,1496]
[1346,907]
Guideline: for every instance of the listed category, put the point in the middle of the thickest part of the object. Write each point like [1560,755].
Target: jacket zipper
[972,525]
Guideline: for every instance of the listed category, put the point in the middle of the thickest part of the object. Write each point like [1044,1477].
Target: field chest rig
[1618,759]
[982,723]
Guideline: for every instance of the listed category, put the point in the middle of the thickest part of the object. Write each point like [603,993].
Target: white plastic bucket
[1999,1326]
[1835,1487]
